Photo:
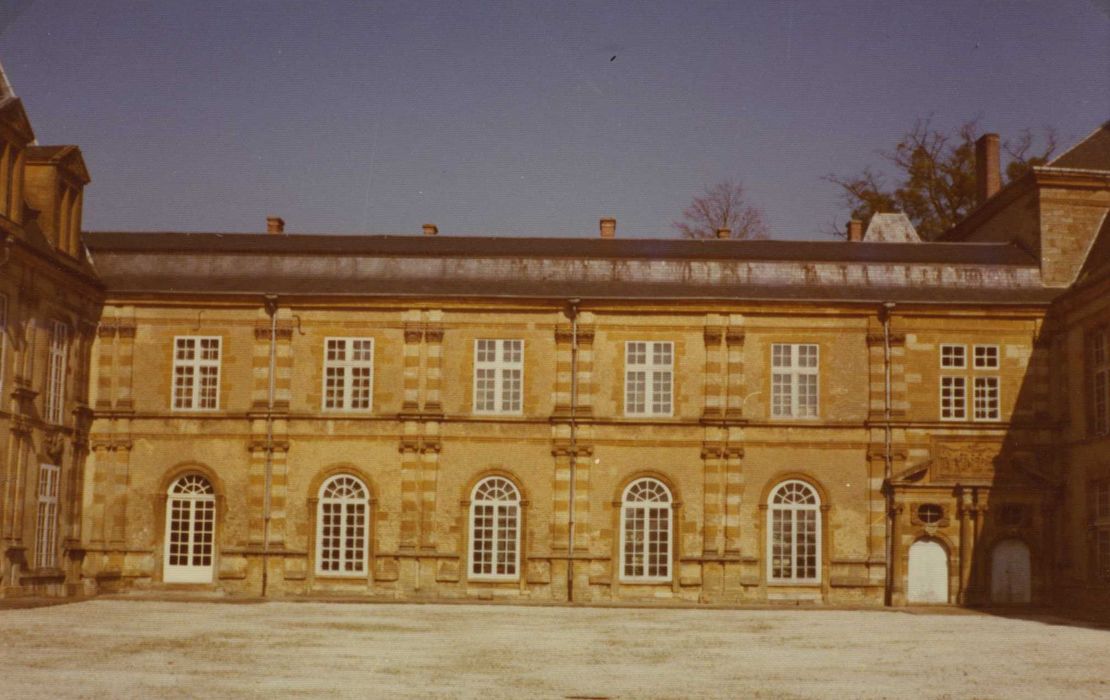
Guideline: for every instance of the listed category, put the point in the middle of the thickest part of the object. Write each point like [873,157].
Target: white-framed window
[498,375]
[953,356]
[495,530]
[794,380]
[953,398]
[46,517]
[343,527]
[348,374]
[190,531]
[794,533]
[196,373]
[958,376]
[1098,357]
[55,399]
[646,532]
[986,357]
[648,378]
[986,399]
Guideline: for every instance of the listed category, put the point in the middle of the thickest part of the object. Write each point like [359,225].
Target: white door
[190,531]
[928,573]
[1010,572]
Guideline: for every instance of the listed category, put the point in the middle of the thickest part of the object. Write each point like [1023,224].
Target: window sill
[645,581]
[808,583]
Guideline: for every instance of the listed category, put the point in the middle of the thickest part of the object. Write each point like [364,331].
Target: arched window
[190,531]
[495,529]
[646,531]
[794,533]
[342,524]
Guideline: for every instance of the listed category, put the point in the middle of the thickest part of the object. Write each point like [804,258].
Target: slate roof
[159,264]
[1092,153]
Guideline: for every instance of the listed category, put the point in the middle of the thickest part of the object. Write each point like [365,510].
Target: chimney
[724,233]
[275,224]
[855,230]
[430,230]
[608,228]
[988,173]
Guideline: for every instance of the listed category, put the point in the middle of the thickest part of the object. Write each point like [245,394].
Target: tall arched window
[646,531]
[190,531]
[495,530]
[794,533]
[342,524]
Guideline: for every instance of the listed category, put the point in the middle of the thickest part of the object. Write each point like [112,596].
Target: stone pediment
[974,461]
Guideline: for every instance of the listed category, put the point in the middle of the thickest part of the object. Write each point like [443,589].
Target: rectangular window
[794,381]
[986,357]
[1099,353]
[196,373]
[648,378]
[54,408]
[498,376]
[953,356]
[953,398]
[3,337]
[1102,553]
[1101,510]
[348,374]
[46,518]
[986,398]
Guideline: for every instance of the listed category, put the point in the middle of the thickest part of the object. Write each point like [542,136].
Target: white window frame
[1099,357]
[347,380]
[658,389]
[191,504]
[793,509]
[981,396]
[348,507]
[497,540]
[961,381]
[792,373]
[196,364]
[54,399]
[642,512]
[952,347]
[990,360]
[46,517]
[502,366]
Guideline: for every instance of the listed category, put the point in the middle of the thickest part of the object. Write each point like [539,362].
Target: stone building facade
[876,421]
[49,308]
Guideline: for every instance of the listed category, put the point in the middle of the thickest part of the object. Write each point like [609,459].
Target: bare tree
[935,176]
[723,205]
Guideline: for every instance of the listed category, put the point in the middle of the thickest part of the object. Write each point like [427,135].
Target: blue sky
[515,118]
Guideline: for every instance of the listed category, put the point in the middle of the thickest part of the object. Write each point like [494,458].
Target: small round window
[930,513]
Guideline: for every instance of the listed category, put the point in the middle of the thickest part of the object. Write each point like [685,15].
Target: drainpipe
[573,313]
[888,457]
[271,309]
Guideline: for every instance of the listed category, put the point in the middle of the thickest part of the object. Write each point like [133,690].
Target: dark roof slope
[1092,153]
[565,248]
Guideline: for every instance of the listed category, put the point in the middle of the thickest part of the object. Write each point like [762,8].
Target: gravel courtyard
[137,648]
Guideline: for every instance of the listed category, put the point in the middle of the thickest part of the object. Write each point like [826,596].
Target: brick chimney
[431,230]
[275,224]
[855,230]
[608,228]
[724,233]
[988,171]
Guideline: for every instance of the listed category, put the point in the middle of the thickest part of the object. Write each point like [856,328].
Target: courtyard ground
[146,649]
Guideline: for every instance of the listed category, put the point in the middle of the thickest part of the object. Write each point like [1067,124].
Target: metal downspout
[573,312]
[271,309]
[888,458]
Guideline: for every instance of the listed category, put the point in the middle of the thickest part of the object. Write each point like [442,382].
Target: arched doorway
[928,573]
[1010,573]
[190,531]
